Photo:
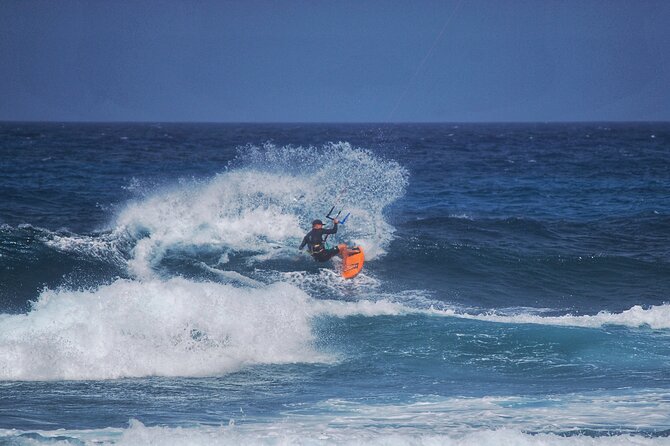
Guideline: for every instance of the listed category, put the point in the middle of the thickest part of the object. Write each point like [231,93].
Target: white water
[286,434]
[429,421]
[175,327]
[179,327]
[264,204]
[655,317]
[260,205]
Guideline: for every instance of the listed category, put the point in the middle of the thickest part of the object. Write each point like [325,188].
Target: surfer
[352,258]
[316,243]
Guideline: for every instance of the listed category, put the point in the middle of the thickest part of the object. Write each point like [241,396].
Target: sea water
[515,291]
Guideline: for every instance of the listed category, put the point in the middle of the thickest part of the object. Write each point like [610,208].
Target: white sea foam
[175,327]
[102,246]
[461,216]
[604,411]
[612,418]
[451,421]
[285,434]
[328,281]
[407,302]
[265,202]
[179,327]
[232,276]
[656,317]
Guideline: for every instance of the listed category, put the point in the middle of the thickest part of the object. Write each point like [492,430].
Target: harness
[317,248]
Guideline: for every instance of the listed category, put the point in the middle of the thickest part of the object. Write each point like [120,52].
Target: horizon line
[22,121]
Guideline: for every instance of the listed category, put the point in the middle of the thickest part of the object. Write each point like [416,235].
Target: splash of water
[263,203]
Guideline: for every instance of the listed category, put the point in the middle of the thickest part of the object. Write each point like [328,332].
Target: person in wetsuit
[316,244]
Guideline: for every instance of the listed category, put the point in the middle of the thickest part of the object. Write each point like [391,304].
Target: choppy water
[516,288]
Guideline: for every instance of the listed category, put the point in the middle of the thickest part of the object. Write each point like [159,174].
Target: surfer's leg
[325,254]
[320,256]
[332,252]
[346,250]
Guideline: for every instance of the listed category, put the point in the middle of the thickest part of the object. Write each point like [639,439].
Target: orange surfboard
[352,262]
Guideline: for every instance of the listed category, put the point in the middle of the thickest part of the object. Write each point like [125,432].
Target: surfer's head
[316,224]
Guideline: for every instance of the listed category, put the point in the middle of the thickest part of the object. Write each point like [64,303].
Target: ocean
[516,288]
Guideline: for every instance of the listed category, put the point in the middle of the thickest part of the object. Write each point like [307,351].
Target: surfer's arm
[332,230]
[304,242]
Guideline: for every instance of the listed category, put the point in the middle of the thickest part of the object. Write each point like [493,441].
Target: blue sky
[334,61]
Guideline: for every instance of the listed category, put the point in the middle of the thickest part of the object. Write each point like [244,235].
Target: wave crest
[656,317]
[175,327]
[264,202]
[155,328]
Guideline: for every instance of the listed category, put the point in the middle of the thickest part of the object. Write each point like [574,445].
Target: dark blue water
[517,278]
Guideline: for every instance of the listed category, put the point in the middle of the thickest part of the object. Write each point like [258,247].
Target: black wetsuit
[316,245]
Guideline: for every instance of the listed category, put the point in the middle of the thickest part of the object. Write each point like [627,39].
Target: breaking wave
[176,327]
[263,203]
